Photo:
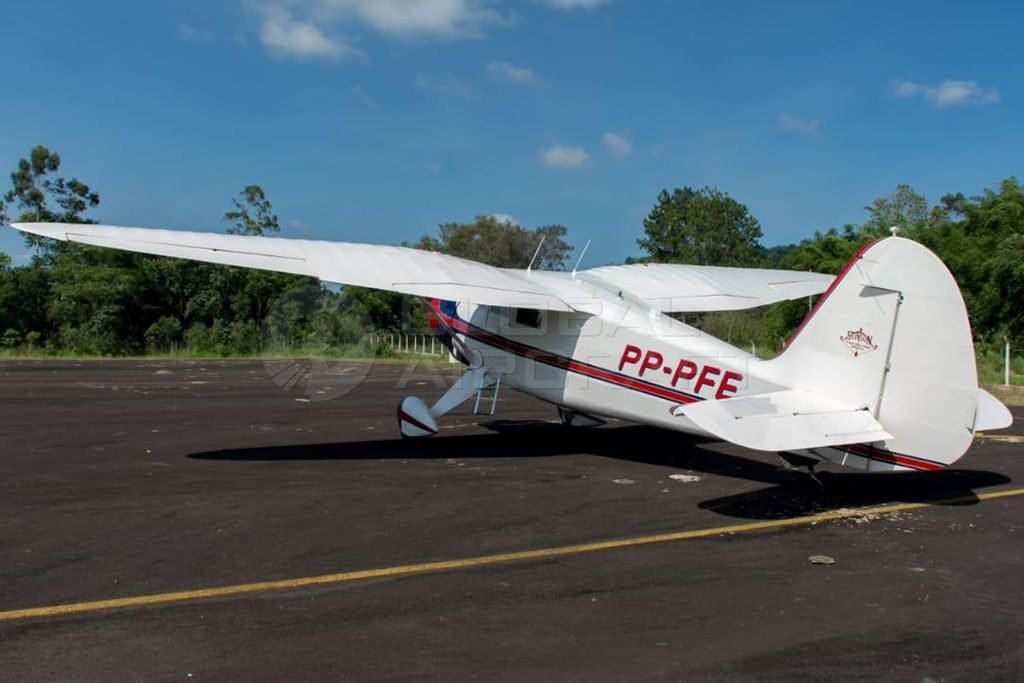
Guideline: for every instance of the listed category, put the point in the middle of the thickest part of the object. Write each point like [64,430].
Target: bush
[10,338]
[163,335]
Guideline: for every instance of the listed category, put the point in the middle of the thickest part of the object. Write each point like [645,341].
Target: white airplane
[880,376]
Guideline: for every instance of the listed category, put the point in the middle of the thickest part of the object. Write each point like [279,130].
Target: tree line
[75,299]
[980,239]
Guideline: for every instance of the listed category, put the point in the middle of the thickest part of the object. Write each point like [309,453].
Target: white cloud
[948,93]
[504,218]
[564,156]
[575,4]
[809,127]
[449,86]
[617,145]
[287,36]
[318,28]
[437,18]
[504,71]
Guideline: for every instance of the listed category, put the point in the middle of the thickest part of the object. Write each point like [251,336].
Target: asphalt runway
[152,482]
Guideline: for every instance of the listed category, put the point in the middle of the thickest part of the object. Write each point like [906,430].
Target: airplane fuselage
[614,358]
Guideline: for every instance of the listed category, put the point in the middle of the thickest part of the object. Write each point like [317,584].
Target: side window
[528,317]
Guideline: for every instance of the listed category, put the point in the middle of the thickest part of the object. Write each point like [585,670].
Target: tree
[826,252]
[903,209]
[253,214]
[72,295]
[986,257]
[704,226]
[486,240]
[257,289]
[35,189]
[25,294]
[501,243]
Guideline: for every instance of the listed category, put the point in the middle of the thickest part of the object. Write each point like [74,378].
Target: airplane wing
[786,420]
[677,288]
[397,269]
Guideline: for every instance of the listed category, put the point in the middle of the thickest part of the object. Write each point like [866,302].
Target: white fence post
[1006,364]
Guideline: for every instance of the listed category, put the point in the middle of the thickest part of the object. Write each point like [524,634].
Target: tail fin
[891,336]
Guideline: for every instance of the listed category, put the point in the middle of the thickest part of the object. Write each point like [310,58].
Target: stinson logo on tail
[859,341]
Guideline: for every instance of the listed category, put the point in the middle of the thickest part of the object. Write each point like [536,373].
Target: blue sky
[376,120]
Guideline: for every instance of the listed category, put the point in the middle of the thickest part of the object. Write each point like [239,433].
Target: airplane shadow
[848,490]
[788,494]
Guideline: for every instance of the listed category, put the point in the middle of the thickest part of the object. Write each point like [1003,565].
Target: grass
[989,361]
[991,364]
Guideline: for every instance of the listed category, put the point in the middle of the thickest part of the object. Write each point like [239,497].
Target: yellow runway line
[479,561]
[1008,438]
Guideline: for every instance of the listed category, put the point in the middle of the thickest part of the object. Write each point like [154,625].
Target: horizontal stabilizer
[785,421]
[992,414]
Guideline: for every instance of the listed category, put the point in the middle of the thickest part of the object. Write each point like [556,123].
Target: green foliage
[992,364]
[705,227]
[904,209]
[35,190]
[11,338]
[980,239]
[388,311]
[826,252]
[253,214]
[501,243]
[73,299]
[487,240]
[163,335]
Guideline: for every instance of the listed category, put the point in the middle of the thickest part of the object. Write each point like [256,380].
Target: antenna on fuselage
[580,259]
[536,253]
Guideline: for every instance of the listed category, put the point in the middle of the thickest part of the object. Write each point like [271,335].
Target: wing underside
[678,288]
[397,269]
[667,288]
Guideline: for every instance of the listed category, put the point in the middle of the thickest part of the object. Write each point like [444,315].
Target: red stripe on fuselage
[564,363]
[873,453]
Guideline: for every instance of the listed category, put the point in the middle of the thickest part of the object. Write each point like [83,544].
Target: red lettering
[703,380]
[686,369]
[726,384]
[652,361]
[630,354]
